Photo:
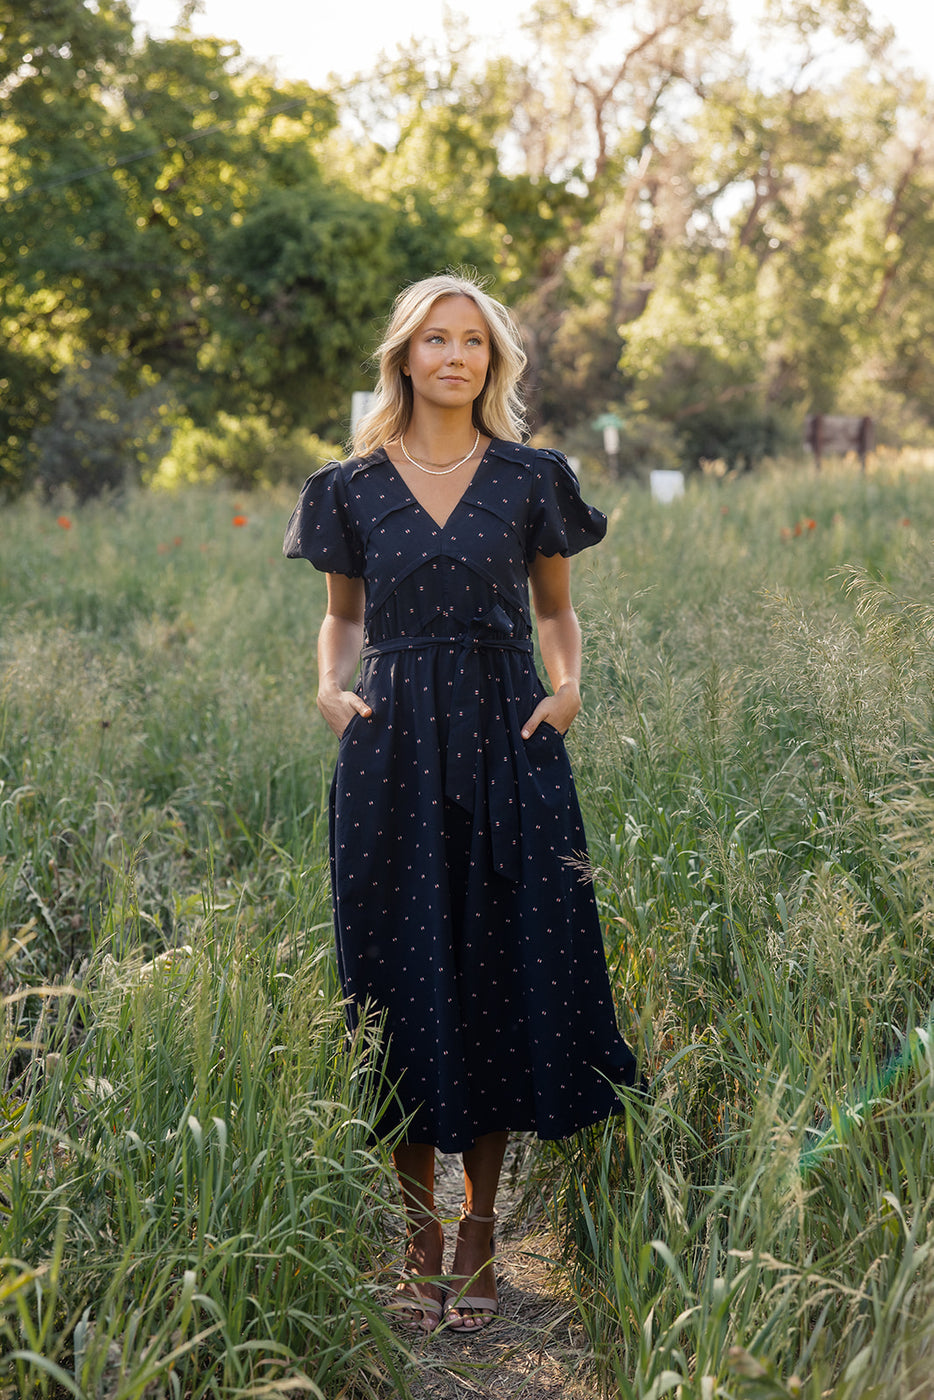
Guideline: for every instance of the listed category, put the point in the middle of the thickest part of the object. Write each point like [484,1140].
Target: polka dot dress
[460,914]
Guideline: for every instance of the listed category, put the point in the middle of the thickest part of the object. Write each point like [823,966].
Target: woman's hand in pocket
[558,710]
[340,706]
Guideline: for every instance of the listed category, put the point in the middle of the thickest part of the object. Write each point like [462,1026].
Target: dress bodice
[424,579]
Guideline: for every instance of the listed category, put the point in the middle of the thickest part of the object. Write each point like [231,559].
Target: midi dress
[463,914]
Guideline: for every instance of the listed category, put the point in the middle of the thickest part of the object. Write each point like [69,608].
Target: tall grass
[192,1194]
[757,753]
[158,698]
[191,1187]
[191,1180]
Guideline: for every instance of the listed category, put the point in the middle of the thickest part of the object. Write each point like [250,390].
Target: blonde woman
[456,836]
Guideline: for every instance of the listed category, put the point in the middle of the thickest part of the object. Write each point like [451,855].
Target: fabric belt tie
[480,765]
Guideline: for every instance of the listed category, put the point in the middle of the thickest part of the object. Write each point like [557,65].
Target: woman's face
[449,354]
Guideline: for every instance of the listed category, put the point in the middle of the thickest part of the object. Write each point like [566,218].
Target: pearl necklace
[446,471]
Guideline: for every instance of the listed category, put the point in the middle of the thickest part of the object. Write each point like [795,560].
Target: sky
[313,40]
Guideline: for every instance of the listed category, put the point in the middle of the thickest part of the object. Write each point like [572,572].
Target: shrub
[99,433]
[247,452]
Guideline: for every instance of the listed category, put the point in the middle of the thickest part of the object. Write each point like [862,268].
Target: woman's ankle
[424,1245]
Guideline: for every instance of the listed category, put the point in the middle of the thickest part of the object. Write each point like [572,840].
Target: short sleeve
[560,521]
[321,528]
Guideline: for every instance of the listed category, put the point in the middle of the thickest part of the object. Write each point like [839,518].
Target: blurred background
[711,221]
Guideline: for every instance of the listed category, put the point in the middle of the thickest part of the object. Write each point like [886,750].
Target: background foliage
[691,237]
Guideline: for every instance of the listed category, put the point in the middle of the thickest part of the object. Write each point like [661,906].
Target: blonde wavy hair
[498,410]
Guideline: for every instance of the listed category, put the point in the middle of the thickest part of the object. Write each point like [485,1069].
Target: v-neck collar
[441,528]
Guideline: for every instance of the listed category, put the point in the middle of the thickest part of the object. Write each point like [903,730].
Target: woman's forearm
[559,640]
[339,643]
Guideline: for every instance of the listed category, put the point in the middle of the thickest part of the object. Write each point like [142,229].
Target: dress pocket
[352,723]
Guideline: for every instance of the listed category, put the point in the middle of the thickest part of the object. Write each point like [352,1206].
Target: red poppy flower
[64,522]
[811,524]
[239,520]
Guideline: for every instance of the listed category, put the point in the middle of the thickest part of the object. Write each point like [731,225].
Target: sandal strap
[472,1304]
[414,1301]
[483,1219]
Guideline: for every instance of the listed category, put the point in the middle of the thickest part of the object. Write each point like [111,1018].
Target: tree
[47,51]
[780,301]
[303,274]
[138,187]
[529,155]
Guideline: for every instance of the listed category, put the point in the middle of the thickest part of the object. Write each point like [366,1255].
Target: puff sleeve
[559,521]
[321,528]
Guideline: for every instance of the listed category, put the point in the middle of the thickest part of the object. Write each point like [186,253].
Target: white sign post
[666,485]
[360,404]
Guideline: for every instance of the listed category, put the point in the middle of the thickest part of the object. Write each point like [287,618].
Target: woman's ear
[405,369]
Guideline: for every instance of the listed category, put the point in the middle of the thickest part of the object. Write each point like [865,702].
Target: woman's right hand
[340,706]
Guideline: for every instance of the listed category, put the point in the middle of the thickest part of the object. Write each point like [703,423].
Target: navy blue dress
[460,911]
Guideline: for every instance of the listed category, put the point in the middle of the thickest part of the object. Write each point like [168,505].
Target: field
[193,1203]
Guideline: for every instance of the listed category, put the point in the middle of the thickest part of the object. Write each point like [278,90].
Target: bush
[247,452]
[99,434]
[741,433]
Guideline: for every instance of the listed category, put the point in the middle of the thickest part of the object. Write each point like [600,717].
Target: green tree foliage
[573,162]
[715,238]
[162,203]
[309,266]
[777,298]
[745,230]
[442,132]
[247,452]
[309,272]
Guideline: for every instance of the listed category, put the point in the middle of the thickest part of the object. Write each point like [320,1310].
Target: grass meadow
[192,1200]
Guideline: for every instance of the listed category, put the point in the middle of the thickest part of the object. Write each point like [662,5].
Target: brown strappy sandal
[480,1312]
[410,1305]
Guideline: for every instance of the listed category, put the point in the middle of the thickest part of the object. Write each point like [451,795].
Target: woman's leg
[473,1256]
[424,1251]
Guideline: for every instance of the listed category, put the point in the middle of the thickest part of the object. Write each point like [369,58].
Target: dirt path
[536,1349]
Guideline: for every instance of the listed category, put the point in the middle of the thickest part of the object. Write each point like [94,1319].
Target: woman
[456,838]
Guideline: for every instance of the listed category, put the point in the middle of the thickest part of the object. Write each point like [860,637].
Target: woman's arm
[339,643]
[559,638]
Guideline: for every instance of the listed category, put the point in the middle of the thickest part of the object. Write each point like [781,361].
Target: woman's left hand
[558,710]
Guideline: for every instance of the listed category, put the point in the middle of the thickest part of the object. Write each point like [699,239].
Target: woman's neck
[440,436]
